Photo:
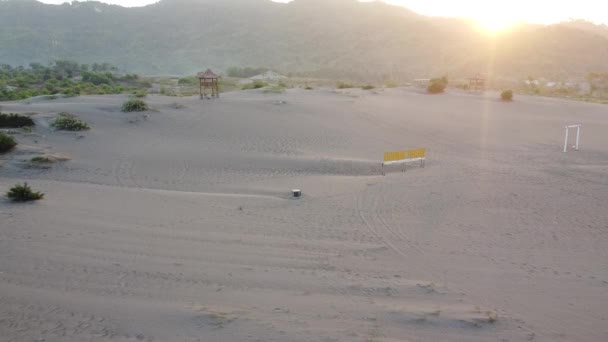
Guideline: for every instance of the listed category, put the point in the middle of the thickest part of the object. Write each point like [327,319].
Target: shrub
[69,122]
[134,105]
[257,84]
[40,159]
[140,93]
[437,85]
[191,80]
[7,142]
[344,85]
[309,88]
[277,89]
[23,193]
[368,87]
[15,121]
[507,95]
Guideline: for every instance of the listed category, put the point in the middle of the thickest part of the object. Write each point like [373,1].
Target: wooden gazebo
[477,83]
[209,80]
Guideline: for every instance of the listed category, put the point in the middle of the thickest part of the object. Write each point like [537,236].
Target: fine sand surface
[176,224]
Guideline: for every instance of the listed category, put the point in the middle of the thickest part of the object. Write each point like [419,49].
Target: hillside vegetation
[64,77]
[317,38]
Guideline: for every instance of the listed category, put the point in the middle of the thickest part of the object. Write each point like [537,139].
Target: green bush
[191,80]
[437,85]
[69,122]
[257,84]
[140,93]
[507,95]
[309,88]
[344,85]
[368,87]
[15,121]
[134,105]
[23,193]
[7,142]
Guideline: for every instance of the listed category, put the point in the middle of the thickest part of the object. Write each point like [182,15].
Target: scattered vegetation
[141,93]
[368,87]
[437,85]
[245,72]
[15,121]
[507,95]
[188,81]
[7,142]
[69,122]
[67,78]
[134,105]
[40,159]
[391,84]
[257,84]
[276,89]
[23,193]
[344,85]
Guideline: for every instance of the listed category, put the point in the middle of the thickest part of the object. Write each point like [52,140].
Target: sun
[493,25]
[493,21]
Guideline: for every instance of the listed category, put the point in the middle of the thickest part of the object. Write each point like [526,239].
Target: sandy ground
[176,224]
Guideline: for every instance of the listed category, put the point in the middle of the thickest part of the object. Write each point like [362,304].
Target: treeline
[65,77]
[245,72]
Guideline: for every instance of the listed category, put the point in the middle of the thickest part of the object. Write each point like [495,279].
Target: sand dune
[176,224]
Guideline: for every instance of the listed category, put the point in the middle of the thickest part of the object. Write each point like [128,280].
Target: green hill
[330,38]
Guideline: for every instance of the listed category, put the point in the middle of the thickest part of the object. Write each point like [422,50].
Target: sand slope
[176,224]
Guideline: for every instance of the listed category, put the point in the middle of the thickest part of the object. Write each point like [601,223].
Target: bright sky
[490,14]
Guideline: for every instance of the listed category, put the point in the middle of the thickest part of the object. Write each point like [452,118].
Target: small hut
[209,80]
[477,83]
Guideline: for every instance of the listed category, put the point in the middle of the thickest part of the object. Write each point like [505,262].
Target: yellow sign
[415,154]
[394,156]
[404,155]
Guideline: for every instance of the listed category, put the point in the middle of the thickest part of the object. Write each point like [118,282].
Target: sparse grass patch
[69,122]
[15,121]
[277,89]
[40,159]
[255,85]
[23,193]
[7,142]
[134,105]
[507,95]
[391,84]
[141,93]
[344,85]
[368,87]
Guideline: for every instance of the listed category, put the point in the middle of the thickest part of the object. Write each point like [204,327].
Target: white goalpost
[567,136]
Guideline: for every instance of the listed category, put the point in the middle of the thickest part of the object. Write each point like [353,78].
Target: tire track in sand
[373,229]
[394,231]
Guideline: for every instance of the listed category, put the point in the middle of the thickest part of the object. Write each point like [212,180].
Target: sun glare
[493,24]
[493,20]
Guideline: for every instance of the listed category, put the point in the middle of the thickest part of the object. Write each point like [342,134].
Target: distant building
[532,82]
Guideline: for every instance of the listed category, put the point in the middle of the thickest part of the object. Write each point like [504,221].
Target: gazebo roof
[207,74]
